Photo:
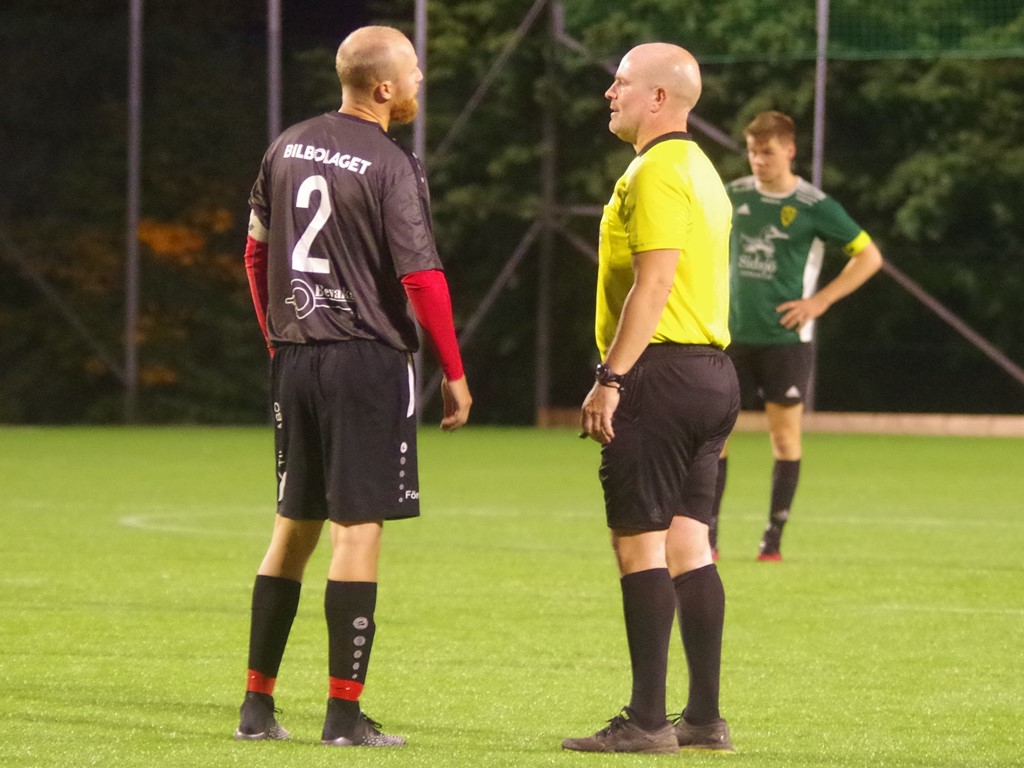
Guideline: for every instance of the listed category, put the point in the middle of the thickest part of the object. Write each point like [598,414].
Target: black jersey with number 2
[349,214]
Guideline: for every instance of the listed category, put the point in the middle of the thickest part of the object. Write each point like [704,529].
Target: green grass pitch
[892,634]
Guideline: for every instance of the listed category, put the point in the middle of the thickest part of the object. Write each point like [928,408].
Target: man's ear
[660,97]
[384,92]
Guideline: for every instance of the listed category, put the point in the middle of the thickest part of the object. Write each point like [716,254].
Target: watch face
[604,375]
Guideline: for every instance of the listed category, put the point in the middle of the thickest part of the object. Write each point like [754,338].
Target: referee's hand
[597,411]
[457,402]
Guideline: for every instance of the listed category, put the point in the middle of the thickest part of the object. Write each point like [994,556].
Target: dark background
[926,153]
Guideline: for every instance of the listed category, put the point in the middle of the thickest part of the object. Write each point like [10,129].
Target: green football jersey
[775,255]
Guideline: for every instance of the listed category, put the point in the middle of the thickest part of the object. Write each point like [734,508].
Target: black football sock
[785,476]
[700,602]
[349,608]
[716,505]
[274,603]
[648,602]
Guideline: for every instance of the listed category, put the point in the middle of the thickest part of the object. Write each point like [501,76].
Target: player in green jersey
[780,225]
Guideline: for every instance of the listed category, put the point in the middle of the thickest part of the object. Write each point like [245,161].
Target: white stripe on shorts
[412,388]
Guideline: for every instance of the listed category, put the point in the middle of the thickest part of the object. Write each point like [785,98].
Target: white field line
[954,609]
[812,518]
[178,522]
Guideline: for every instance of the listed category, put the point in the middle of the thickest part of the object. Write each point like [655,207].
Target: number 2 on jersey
[301,260]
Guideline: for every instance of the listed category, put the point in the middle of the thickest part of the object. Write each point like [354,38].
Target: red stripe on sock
[349,690]
[260,683]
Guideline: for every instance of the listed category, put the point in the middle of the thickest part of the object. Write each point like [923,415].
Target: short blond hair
[366,57]
[771,125]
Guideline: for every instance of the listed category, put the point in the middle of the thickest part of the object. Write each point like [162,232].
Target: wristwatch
[604,376]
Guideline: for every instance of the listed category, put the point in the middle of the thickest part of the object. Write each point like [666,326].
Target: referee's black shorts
[679,404]
[345,432]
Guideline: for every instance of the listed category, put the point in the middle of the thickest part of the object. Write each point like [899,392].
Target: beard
[405,111]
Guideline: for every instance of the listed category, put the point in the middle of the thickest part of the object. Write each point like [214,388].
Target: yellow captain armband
[858,244]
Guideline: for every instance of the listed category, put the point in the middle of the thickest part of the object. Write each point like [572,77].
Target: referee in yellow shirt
[664,400]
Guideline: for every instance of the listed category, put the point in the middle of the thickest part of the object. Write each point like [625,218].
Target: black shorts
[345,432]
[774,373]
[679,405]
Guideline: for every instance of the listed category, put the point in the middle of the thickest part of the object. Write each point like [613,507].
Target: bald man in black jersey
[340,245]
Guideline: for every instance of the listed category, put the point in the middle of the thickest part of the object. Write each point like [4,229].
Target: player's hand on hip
[796,314]
[597,412]
[457,402]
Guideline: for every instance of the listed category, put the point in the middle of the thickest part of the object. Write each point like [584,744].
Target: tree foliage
[925,152]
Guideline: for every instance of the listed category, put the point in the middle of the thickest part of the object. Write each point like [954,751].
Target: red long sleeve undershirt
[427,291]
[256,269]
